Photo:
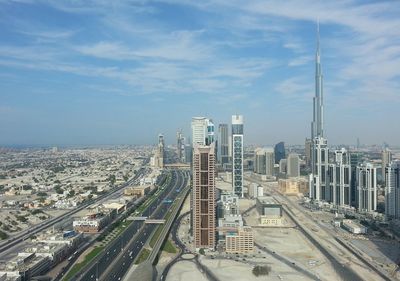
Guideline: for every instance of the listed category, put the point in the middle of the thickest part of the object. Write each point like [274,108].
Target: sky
[81,72]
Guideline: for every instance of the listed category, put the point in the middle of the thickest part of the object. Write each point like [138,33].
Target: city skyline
[75,74]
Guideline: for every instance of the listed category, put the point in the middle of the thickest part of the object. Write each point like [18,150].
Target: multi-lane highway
[12,242]
[116,260]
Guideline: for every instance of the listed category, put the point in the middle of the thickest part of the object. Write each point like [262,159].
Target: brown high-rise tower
[203,200]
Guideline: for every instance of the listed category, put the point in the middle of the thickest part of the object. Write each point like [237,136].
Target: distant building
[283,166]
[293,165]
[223,144]
[279,152]
[240,241]
[392,190]
[180,146]
[138,191]
[255,191]
[366,196]
[237,154]
[293,186]
[203,196]
[386,159]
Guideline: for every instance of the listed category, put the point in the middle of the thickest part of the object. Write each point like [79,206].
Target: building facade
[237,154]
[203,197]
[366,195]
[392,190]
[279,152]
[293,165]
[240,241]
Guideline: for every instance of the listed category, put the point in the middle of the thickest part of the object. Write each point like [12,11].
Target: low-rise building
[93,222]
[270,211]
[25,267]
[240,241]
[228,204]
[138,191]
[227,224]
[354,227]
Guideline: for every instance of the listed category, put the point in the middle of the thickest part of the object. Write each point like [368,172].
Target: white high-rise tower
[237,154]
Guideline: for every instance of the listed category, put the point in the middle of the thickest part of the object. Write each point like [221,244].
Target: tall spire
[317,126]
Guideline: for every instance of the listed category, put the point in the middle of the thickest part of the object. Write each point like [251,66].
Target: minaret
[317,125]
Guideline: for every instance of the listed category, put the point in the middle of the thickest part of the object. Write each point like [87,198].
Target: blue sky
[120,72]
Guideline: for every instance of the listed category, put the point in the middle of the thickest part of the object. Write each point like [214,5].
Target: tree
[261,270]
[202,252]
[42,194]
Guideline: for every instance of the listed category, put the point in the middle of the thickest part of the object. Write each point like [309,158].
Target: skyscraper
[366,195]
[319,153]
[392,190]
[269,161]
[317,125]
[293,165]
[386,159]
[279,151]
[199,130]
[259,161]
[237,154]
[318,190]
[223,143]
[180,146]
[202,131]
[203,198]
[160,151]
[339,179]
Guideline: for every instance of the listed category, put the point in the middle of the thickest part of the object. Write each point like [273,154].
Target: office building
[366,195]
[279,151]
[392,190]
[203,197]
[293,165]
[223,144]
[237,154]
